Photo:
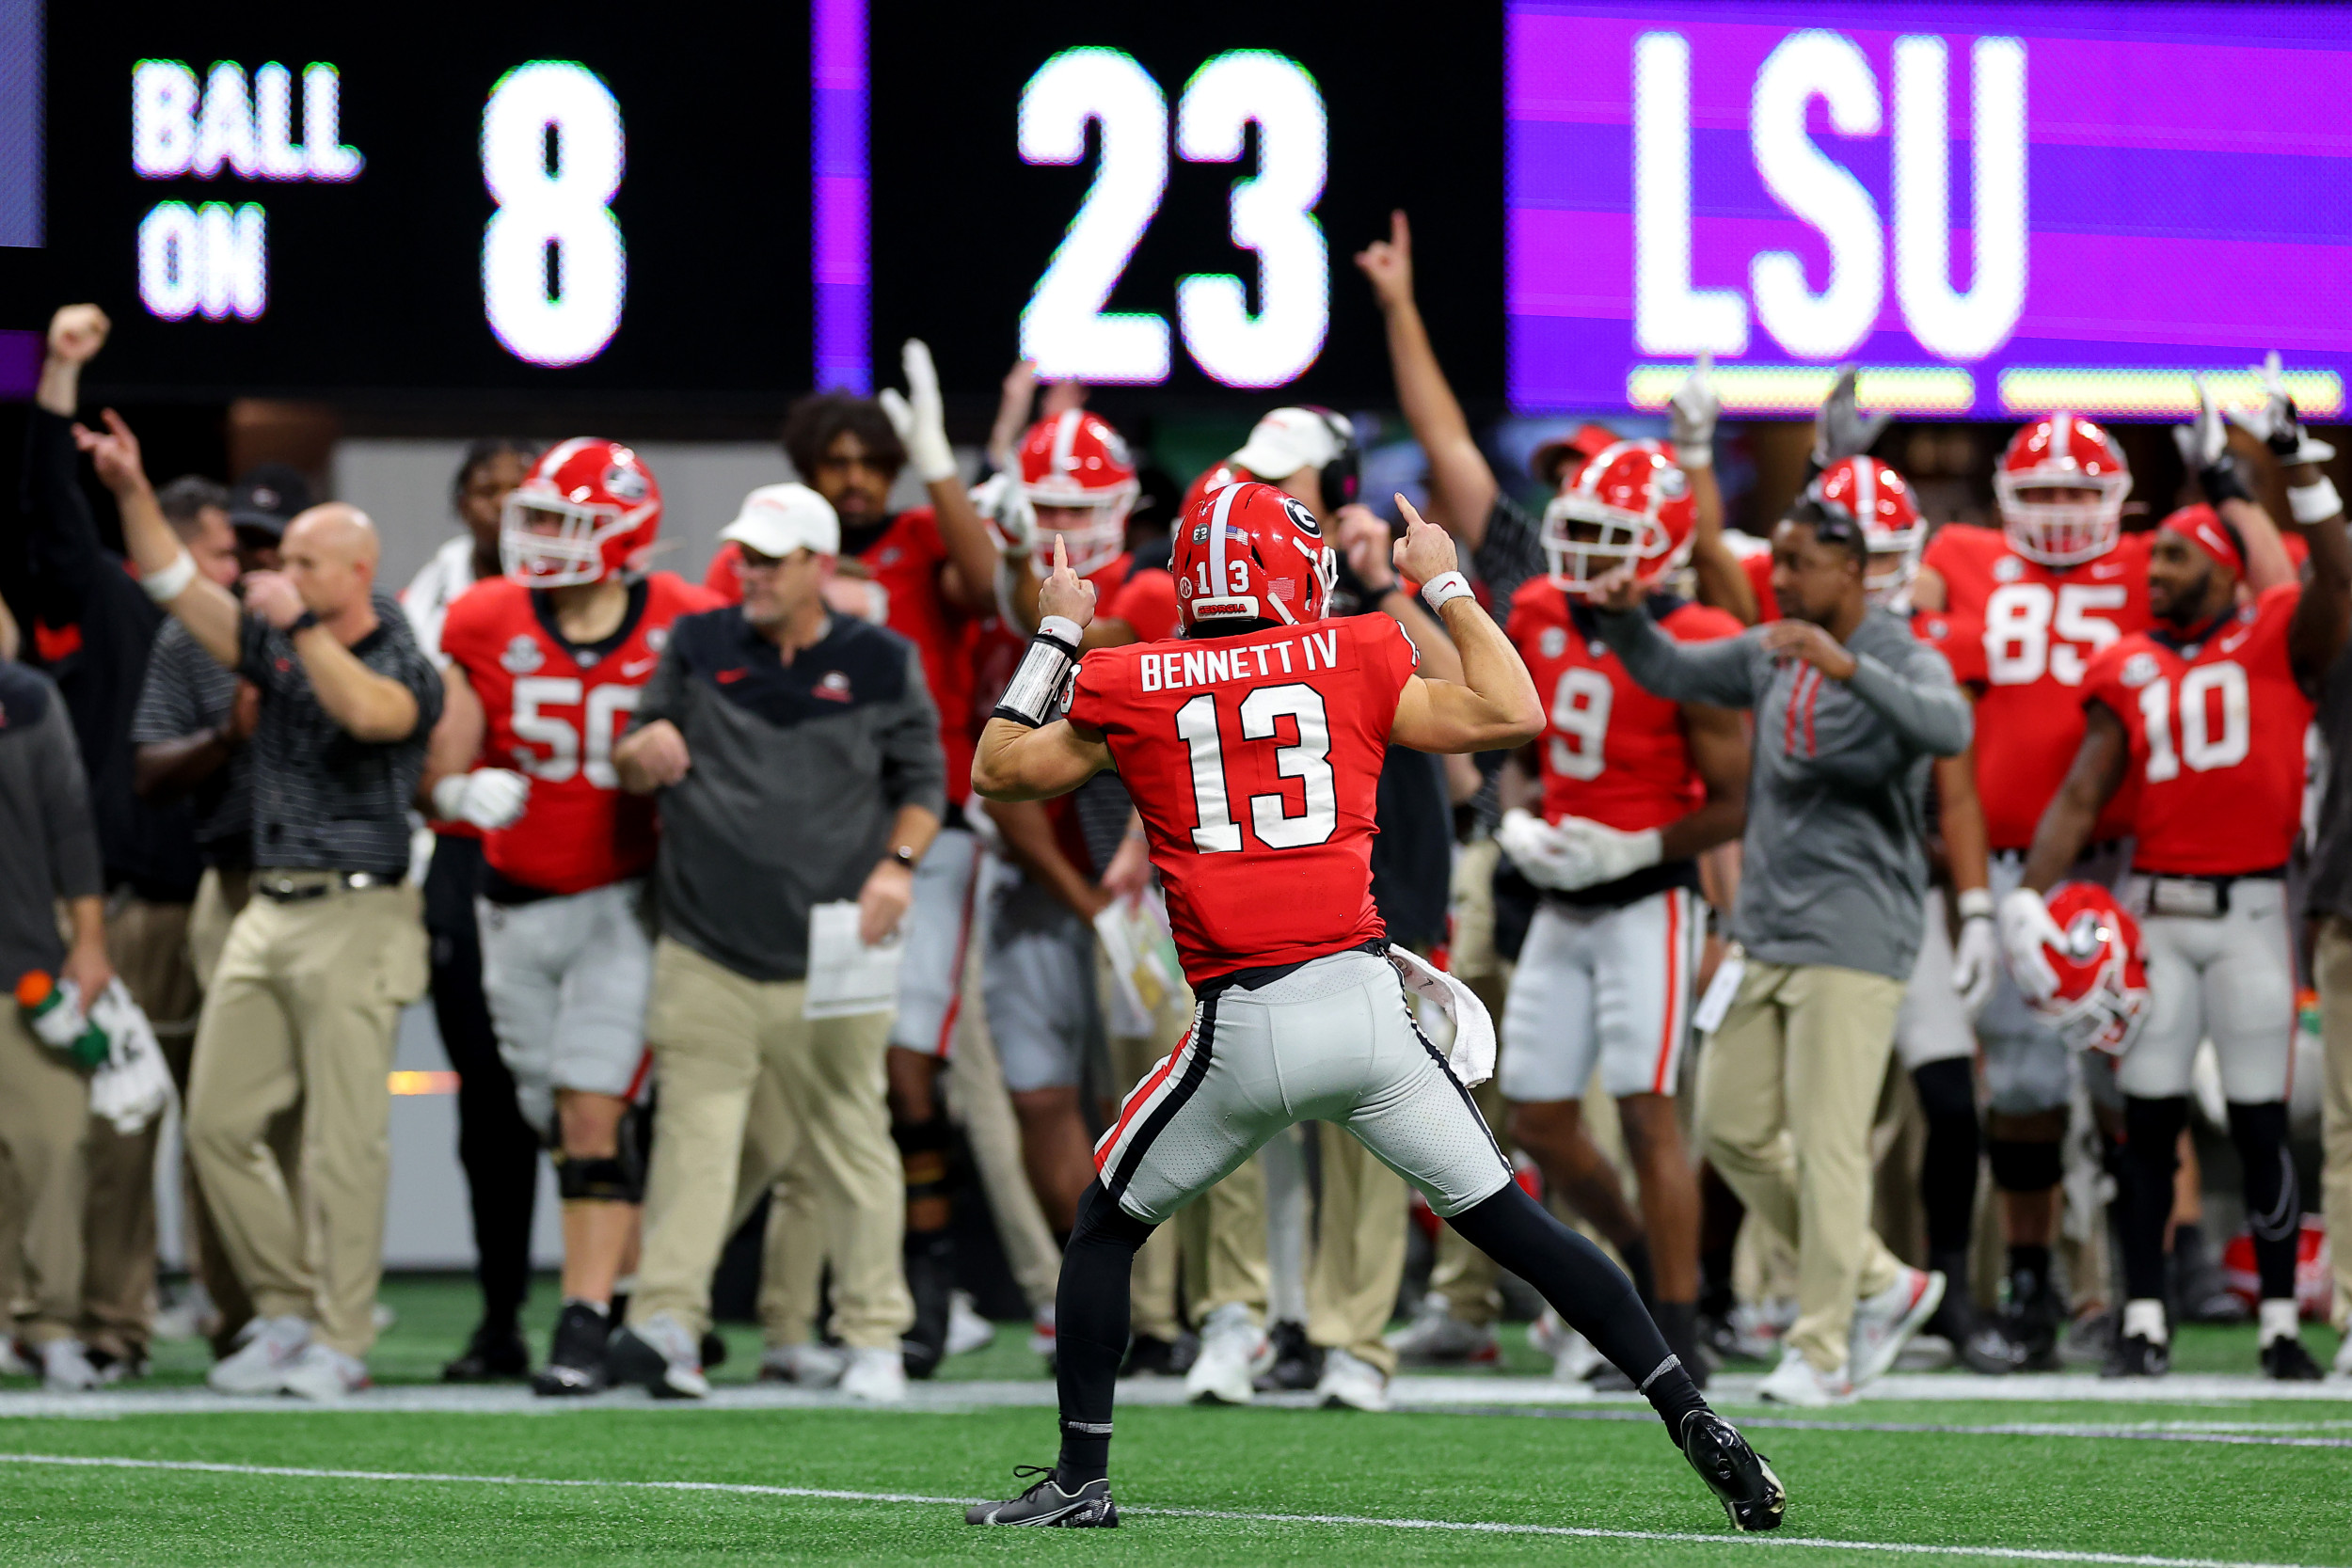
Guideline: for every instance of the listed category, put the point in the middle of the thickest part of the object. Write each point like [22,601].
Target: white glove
[1532,846]
[490,797]
[920,418]
[133,1086]
[1472,1058]
[1840,429]
[1976,963]
[2205,439]
[1691,415]
[2026,925]
[1594,854]
[2275,423]
[1003,502]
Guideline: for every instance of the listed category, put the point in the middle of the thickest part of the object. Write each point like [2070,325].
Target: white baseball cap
[1290,439]
[777,519]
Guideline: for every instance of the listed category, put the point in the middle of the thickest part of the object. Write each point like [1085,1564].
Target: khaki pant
[303,1009]
[2332,968]
[1787,1093]
[749,1089]
[45,1133]
[1360,1250]
[220,898]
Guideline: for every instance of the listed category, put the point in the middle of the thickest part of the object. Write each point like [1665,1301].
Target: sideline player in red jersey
[1635,788]
[545,667]
[1253,748]
[2198,727]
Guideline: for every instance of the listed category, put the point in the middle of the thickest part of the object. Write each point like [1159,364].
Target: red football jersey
[1147,604]
[1255,763]
[2041,628]
[555,716]
[2216,731]
[1613,753]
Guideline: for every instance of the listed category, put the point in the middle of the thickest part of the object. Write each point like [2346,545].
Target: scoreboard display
[1993,208]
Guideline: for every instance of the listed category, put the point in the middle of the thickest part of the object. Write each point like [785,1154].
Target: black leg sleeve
[2274,1200]
[1090,1329]
[1947,1171]
[2152,1138]
[1590,1292]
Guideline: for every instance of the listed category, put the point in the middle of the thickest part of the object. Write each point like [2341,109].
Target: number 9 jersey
[553,711]
[1254,761]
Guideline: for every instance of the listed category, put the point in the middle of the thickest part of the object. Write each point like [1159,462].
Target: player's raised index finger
[1061,556]
[1412,518]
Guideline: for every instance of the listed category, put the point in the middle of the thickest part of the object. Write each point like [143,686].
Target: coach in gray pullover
[1850,711]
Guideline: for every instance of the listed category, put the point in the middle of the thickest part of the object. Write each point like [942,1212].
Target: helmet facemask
[2061,532]
[1585,539]
[569,553]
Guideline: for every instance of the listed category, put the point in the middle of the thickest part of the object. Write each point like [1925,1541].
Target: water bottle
[55,1015]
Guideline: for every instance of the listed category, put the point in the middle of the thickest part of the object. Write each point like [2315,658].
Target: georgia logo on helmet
[2102,969]
[2063,453]
[1075,462]
[1628,502]
[1248,552]
[589,510]
[1877,497]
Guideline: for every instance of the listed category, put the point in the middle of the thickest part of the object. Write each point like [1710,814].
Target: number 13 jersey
[553,712]
[1254,761]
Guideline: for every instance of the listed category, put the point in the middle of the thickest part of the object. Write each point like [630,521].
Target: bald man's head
[331,553]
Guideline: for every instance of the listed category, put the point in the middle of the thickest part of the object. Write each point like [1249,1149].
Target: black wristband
[303,622]
[2222,481]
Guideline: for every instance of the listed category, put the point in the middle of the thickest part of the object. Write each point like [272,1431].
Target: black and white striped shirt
[322,798]
[187,693]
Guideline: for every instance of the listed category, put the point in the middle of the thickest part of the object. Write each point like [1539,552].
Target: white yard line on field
[1906,1548]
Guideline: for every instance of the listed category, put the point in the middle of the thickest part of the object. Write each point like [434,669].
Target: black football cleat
[576,1360]
[1149,1355]
[1089,1508]
[2136,1356]
[2285,1360]
[1740,1477]
[491,1355]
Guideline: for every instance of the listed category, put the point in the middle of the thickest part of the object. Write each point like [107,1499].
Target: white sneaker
[1351,1382]
[1883,1324]
[323,1373]
[809,1364]
[64,1367]
[967,1331]
[1797,1382]
[11,1363]
[1042,1339]
[1573,1357]
[267,1348]
[2344,1355]
[1437,1335]
[661,1356]
[1231,1345]
[876,1376]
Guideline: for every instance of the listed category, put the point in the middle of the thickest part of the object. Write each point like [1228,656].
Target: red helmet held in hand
[2060,487]
[1629,503]
[589,510]
[1248,552]
[1076,463]
[1878,498]
[2102,969]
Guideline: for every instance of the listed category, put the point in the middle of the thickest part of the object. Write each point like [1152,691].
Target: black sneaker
[1089,1508]
[1988,1351]
[929,1260]
[576,1361]
[2036,1314]
[1740,1477]
[2285,1360]
[713,1348]
[492,1355]
[1297,1365]
[2136,1356]
[1149,1355]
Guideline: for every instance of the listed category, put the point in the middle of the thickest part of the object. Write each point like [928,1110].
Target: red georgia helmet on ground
[1878,498]
[2101,968]
[2063,453]
[1248,552]
[589,510]
[1629,503]
[1076,459]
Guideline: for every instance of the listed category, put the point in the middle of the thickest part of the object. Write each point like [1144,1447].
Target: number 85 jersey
[1254,761]
[553,712]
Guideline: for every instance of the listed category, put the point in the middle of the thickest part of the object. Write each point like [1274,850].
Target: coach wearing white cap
[796,756]
[1307,452]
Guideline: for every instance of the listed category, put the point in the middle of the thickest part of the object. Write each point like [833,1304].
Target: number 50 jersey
[1254,761]
[553,712]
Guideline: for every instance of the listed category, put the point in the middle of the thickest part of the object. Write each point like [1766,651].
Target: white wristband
[2315,504]
[1061,629]
[1976,903]
[168,584]
[1446,585]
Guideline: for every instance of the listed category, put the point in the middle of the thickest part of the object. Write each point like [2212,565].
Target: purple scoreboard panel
[1995,209]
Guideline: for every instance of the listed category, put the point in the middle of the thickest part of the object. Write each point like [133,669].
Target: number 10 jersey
[1254,761]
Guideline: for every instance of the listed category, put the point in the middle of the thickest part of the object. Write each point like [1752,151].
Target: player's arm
[2067,822]
[2322,611]
[1495,706]
[1020,757]
[920,416]
[1722,581]
[1367,546]
[2205,444]
[1976,960]
[451,787]
[1719,753]
[1462,489]
[164,770]
[1028,837]
[166,570]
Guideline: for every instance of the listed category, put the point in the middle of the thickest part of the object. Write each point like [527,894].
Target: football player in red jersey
[2058,583]
[545,666]
[1253,747]
[1635,788]
[2196,725]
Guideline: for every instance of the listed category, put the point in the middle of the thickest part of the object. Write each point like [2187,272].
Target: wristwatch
[904,855]
[302,622]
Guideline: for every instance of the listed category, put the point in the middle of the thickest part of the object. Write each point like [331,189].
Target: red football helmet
[589,510]
[2101,968]
[2063,453]
[1629,503]
[1077,460]
[1877,497]
[1248,552]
